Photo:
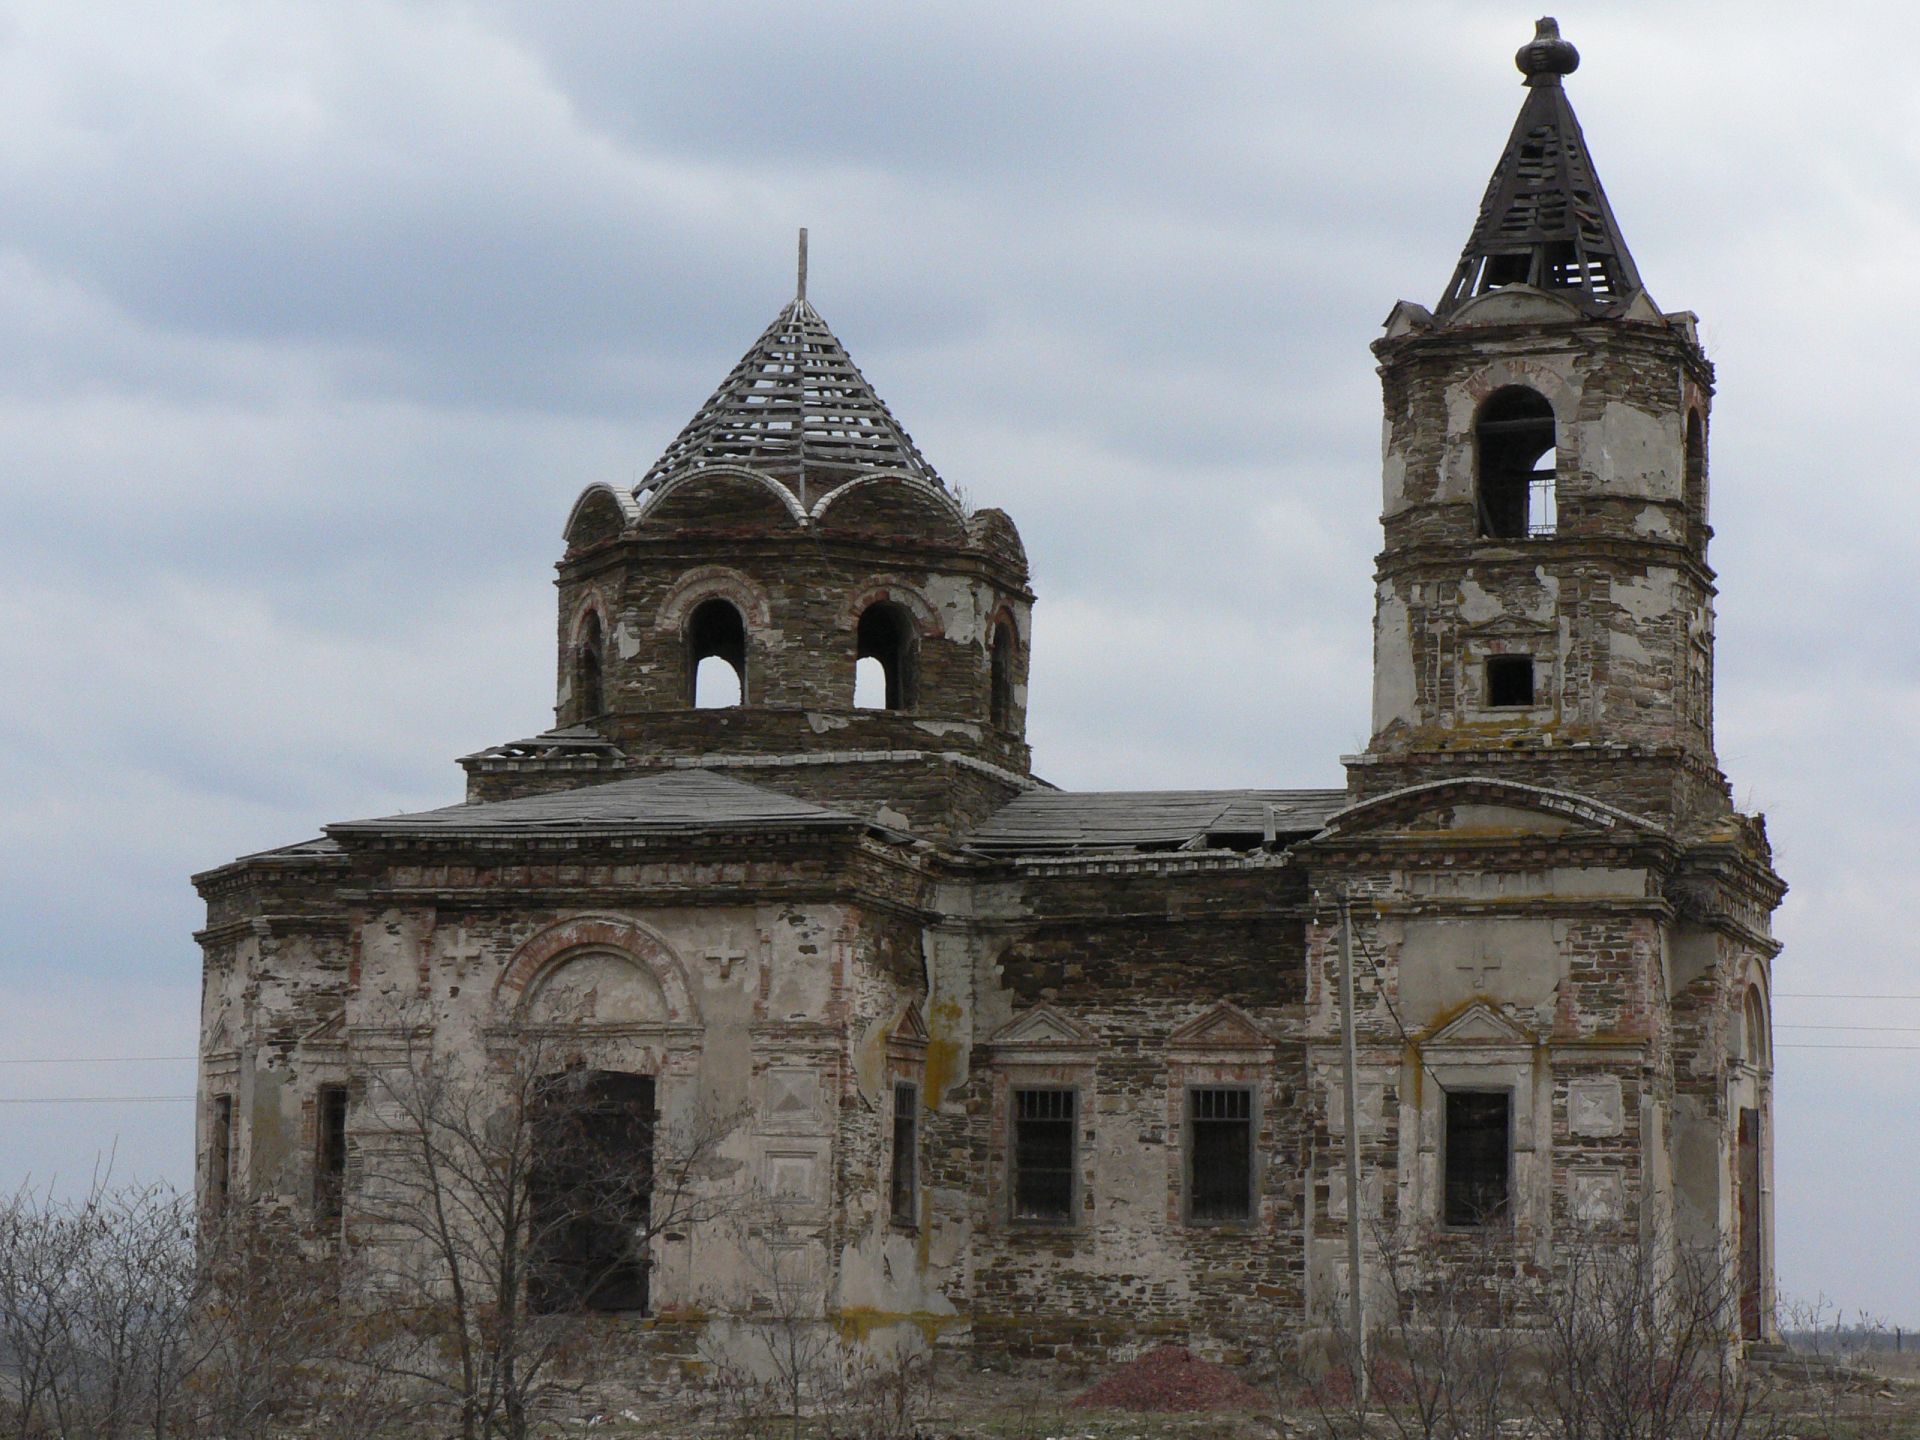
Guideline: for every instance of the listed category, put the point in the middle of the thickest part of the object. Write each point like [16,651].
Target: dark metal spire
[795,407]
[1545,220]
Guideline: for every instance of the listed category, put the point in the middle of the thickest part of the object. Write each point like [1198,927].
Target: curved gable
[601,514]
[722,498]
[892,504]
[1485,807]
[993,531]
[630,970]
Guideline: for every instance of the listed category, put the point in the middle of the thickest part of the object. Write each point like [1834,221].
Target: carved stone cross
[462,948]
[726,954]
[1476,969]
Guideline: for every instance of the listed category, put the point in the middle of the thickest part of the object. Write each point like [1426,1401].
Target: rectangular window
[1219,1154]
[1479,1129]
[330,1156]
[220,1152]
[1509,682]
[1043,1155]
[906,1155]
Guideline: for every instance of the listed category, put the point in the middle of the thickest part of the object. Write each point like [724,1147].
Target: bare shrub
[1828,1393]
[277,1350]
[95,1299]
[1639,1340]
[1622,1338]
[1443,1352]
[505,1203]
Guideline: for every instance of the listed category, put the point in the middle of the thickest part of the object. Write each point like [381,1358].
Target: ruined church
[1040,1072]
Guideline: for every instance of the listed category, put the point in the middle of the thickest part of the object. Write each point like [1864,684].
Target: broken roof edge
[579,741]
[320,850]
[1148,822]
[658,802]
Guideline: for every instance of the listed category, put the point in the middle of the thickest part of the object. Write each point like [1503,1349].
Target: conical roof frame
[797,408]
[1545,221]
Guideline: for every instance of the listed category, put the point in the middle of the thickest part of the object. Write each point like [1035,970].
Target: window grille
[1043,1154]
[1220,1154]
[904,1184]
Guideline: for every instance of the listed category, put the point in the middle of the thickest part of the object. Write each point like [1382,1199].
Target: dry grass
[985,1405]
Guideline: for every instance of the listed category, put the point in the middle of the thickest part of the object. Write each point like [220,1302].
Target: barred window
[330,1159]
[1219,1153]
[1479,1126]
[1043,1154]
[220,1152]
[905,1188]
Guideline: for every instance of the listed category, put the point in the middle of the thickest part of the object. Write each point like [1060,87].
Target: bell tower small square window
[1509,682]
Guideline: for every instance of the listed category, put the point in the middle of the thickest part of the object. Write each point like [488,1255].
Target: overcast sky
[314,318]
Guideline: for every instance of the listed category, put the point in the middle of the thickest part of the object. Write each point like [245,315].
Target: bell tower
[1543,602]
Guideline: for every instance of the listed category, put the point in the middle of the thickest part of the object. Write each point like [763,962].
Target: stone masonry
[1111,1018]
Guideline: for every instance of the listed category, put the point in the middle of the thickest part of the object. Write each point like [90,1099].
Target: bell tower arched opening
[589,668]
[1694,494]
[1513,491]
[885,652]
[716,656]
[1003,662]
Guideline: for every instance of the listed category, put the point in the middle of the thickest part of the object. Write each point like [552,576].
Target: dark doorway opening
[589,1192]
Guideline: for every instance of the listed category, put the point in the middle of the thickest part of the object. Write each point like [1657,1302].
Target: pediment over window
[219,1039]
[908,1037]
[1043,1028]
[1482,806]
[331,1031]
[1221,1028]
[911,1027]
[1478,1025]
[1507,627]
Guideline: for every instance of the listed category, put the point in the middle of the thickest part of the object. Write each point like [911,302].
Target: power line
[91,1059]
[93,1099]
[1819,1045]
[1896,1029]
[1837,995]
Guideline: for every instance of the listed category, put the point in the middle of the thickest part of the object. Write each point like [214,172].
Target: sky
[314,319]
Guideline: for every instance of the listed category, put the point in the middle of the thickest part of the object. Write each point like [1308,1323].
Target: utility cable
[91,1059]
[94,1099]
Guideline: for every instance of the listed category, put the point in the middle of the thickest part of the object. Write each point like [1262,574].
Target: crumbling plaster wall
[1488,971]
[1621,635]
[1128,957]
[760,1007]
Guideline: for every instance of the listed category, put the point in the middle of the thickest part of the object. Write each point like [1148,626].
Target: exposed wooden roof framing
[1545,221]
[796,407]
